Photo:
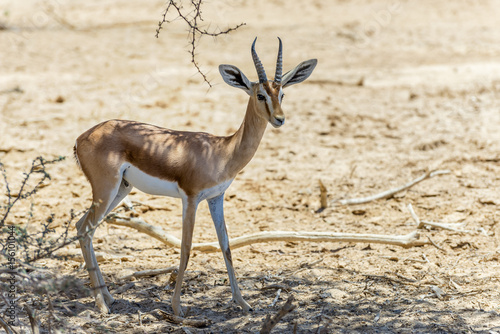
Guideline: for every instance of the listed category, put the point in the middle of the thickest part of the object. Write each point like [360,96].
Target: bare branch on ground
[406,241]
[391,192]
[198,323]
[270,322]
[414,215]
[6,327]
[323,196]
[35,324]
[152,272]
[455,227]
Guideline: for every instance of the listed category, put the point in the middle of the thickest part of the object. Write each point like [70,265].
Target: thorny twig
[192,17]
[34,245]
[37,167]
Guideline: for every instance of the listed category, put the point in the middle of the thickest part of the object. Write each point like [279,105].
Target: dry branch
[324,195]
[5,327]
[434,244]
[391,192]
[16,89]
[140,225]
[139,316]
[123,288]
[278,293]
[406,241]
[35,327]
[269,323]
[455,227]
[76,255]
[277,287]
[183,321]
[414,215]
[192,17]
[152,272]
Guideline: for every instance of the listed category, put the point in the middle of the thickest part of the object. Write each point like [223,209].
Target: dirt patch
[401,87]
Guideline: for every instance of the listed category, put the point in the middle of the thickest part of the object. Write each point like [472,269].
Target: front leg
[216,206]
[189,206]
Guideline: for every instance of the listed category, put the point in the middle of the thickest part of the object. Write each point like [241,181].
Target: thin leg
[189,206]
[86,227]
[123,191]
[216,206]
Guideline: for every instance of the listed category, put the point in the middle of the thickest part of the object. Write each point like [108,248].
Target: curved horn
[258,64]
[279,64]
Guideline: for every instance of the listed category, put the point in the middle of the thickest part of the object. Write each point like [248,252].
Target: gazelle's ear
[299,73]
[234,77]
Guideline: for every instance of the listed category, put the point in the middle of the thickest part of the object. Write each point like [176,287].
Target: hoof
[176,307]
[104,309]
[241,303]
[244,305]
[179,313]
[108,299]
[101,304]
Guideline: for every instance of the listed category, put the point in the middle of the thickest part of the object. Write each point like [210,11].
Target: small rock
[59,99]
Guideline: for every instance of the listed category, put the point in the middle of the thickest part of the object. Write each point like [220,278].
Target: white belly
[156,186]
[150,184]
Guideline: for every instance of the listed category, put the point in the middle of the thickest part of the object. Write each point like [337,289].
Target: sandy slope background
[401,87]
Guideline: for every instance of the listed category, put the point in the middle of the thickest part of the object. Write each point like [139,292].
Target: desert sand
[401,87]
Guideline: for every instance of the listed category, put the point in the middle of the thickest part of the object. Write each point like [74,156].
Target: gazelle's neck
[246,140]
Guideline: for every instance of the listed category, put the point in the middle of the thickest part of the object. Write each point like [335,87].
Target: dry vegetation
[402,87]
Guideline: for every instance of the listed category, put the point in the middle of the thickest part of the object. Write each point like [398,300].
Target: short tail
[76,156]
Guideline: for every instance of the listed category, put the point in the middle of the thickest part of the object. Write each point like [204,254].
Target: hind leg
[86,227]
[123,191]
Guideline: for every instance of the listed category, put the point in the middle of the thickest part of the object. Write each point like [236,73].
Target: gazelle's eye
[261,97]
[282,96]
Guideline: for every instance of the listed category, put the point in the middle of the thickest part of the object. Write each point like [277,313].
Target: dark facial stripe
[271,88]
[267,109]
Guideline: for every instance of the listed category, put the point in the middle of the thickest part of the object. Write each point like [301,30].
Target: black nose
[280,120]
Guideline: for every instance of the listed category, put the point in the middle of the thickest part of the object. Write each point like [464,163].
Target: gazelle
[118,155]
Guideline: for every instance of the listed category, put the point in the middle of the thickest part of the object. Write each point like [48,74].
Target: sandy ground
[401,87]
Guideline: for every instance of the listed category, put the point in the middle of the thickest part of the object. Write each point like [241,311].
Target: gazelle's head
[266,95]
